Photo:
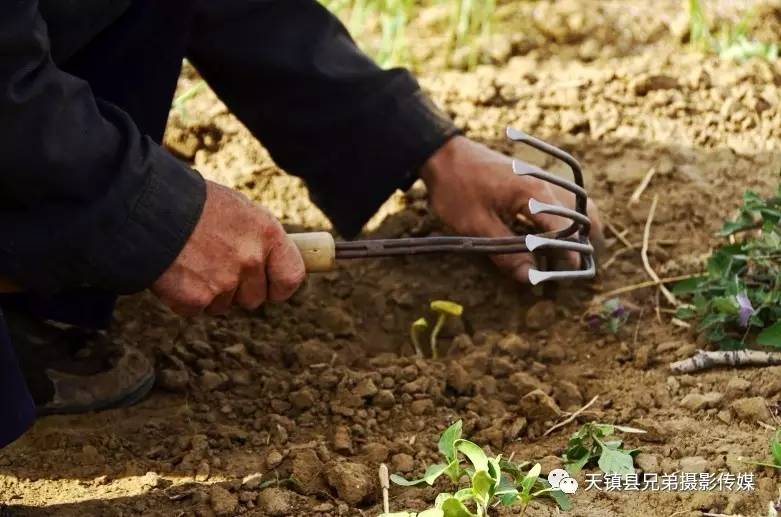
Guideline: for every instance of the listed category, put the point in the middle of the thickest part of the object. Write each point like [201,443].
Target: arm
[85,199]
[290,71]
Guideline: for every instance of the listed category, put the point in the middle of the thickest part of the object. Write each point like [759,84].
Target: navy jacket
[88,199]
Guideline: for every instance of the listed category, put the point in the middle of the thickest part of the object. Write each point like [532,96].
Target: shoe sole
[133,397]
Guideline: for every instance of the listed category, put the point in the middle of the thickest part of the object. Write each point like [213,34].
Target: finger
[221,303]
[515,264]
[285,269]
[253,287]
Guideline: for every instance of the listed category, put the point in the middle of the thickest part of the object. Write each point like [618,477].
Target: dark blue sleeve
[326,112]
[85,198]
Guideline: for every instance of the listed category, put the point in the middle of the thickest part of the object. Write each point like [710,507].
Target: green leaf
[613,461]
[573,467]
[483,486]
[465,494]
[775,447]
[474,453]
[454,508]
[531,478]
[432,512]
[447,440]
[400,514]
[689,285]
[771,336]
[725,304]
[430,476]
[561,499]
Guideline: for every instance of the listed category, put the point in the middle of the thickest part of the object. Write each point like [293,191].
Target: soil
[290,409]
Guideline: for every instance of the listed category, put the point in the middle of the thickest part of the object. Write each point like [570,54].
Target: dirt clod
[753,409]
[353,482]
[537,405]
[541,315]
[222,501]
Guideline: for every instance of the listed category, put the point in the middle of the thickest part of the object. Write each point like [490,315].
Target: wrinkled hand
[473,190]
[238,254]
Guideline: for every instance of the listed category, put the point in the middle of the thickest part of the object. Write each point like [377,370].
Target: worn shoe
[70,370]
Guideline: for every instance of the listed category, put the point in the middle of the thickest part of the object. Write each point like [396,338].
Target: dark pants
[117,66]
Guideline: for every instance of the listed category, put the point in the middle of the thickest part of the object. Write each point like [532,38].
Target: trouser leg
[17,410]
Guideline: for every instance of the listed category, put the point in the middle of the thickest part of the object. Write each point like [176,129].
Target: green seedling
[489,481]
[444,309]
[736,302]
[415,332]
[598,442]
[775,453]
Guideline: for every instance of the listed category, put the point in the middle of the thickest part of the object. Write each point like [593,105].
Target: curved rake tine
[538,207]
[521,169]
[536,276]
[535,242]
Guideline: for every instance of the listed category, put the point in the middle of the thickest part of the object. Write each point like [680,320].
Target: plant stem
[413,334]
[434,334]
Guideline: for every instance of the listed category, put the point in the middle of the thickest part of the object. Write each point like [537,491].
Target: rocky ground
[289,410]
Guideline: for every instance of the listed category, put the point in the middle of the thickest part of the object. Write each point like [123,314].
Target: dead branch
[704,360]
[644,253]
[642,186]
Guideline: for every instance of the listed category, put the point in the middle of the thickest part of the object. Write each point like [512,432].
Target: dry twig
[385,485]
[642,285]
[704,360]
[644,253]
[619,235]
[572,417]
[642,186]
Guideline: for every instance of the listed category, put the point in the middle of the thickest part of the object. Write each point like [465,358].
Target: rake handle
[318,250]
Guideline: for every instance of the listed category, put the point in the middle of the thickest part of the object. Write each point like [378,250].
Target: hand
[238,254]
[474,190]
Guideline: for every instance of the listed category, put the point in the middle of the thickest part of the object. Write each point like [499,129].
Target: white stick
[385,484]
[642,186]
[572,417]
[644,254]
[705,360]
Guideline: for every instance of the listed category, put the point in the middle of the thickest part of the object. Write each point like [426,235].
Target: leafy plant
[490,481]
[612,315]
[598,442]
[732,42]
[737,300]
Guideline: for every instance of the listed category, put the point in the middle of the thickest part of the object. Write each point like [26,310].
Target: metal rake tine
[538,207]
[536,276]
[527,169]
[535,242]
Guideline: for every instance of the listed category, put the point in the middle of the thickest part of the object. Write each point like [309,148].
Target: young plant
[775,453]
[612,315]
[415,331]
[733,41]
[598,442]
[737,300]
[444,309]
[489,481]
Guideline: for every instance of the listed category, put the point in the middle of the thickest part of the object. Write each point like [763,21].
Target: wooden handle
[318,250]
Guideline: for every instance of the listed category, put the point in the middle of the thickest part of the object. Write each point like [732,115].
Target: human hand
[238,254]
[474,191]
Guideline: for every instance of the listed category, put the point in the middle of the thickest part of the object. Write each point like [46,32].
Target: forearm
[85,198]
[327,113]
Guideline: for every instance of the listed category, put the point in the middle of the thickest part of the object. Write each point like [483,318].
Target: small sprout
[444,308]
[415,331]
[775,453]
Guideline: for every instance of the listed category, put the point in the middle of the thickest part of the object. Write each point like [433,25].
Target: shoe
[70,370]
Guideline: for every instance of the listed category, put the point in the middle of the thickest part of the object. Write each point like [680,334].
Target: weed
[598,442]
[612,315]
[468,21]
[491,481]
[737,300]
[775,453]
[732,42]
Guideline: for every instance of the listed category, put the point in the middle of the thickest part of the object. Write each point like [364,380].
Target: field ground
[324,388]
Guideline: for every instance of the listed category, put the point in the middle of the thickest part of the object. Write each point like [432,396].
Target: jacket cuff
[401,134]
[155,231]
